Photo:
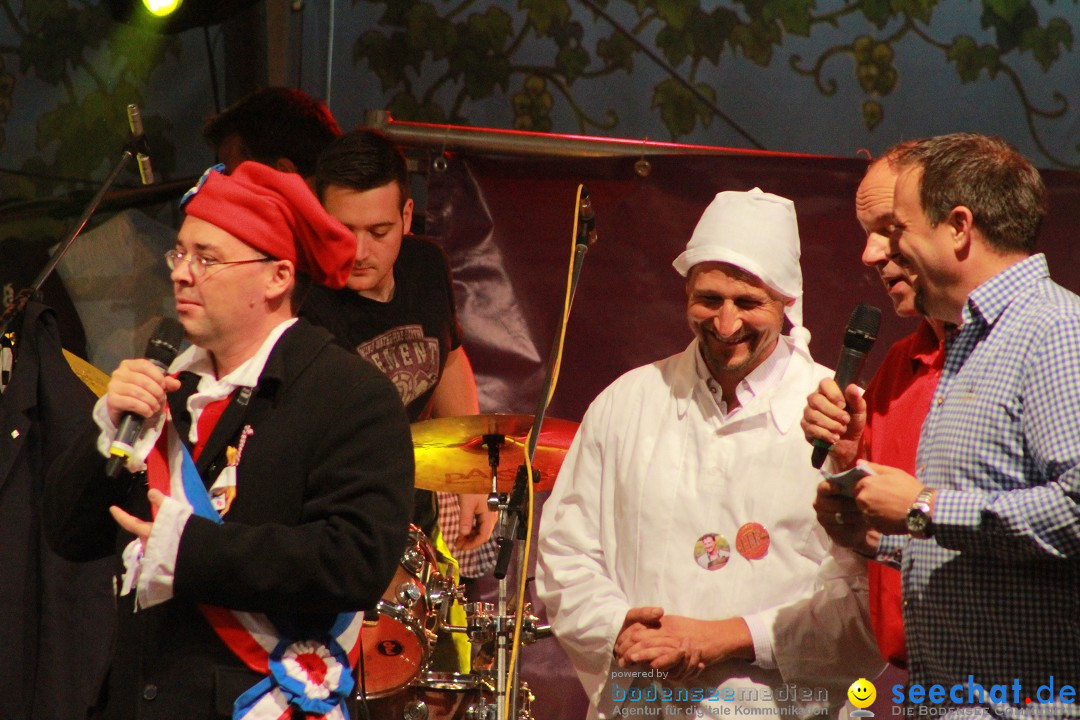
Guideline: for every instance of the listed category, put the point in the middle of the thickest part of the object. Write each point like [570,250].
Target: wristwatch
[919,524]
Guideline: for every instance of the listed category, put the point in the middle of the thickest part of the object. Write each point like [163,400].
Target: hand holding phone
[846,480]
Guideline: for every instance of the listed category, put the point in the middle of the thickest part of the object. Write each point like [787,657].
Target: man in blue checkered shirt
[988,533]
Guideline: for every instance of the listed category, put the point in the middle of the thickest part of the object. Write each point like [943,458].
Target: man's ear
[281,280]
[406,216]
[961,221]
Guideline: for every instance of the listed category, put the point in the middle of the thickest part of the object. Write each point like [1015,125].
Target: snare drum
[397,638]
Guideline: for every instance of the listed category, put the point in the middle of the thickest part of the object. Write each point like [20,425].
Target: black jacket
[318,525]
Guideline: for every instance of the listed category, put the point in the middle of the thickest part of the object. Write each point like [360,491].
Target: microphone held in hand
[859,337]
[161,350]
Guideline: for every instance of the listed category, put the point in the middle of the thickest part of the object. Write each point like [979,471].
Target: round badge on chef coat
[711,551]
[752,541]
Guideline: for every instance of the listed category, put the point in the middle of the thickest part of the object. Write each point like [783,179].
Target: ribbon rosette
[314,675]
[306,676]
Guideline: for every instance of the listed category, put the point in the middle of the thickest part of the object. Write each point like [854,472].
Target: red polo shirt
[898,398]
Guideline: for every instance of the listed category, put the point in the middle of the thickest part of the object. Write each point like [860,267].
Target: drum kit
[396,680]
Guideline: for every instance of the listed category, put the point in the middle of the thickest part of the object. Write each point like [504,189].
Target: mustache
[740,337]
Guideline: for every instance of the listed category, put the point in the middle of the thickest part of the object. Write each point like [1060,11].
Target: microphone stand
[512,510]
[137,145]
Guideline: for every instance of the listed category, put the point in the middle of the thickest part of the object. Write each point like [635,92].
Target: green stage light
[162,8]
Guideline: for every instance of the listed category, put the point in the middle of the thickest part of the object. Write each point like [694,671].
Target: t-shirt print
[409,359]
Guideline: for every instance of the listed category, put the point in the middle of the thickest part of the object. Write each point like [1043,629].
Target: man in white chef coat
[707,442]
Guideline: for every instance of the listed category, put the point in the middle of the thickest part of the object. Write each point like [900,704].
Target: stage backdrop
[506,224]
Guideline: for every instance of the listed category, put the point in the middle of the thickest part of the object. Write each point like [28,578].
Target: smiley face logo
[862,693]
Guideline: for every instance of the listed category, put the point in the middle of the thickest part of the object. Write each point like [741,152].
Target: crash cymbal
[451,455]
[95,379]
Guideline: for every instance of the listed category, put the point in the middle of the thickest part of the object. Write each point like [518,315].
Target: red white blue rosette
[311,677]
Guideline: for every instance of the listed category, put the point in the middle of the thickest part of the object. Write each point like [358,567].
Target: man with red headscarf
[267,497]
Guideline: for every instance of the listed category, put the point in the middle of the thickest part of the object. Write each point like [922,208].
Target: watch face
[917,519]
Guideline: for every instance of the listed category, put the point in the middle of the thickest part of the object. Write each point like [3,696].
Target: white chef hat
[757,232]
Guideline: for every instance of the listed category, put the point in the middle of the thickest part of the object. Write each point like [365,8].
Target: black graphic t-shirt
[408,338]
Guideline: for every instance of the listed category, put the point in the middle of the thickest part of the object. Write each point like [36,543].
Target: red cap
[277,213]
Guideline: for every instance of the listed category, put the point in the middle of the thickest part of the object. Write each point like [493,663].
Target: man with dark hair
[397,310]
[988,528]
[266,498]
[277,126]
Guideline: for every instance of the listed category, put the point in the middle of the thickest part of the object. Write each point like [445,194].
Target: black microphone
[161,350]
[146,172]
[586,220]
[859,337]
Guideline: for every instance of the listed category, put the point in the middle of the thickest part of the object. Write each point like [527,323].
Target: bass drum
[397,638]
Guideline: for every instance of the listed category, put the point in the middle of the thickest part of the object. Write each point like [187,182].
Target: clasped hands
[680,646]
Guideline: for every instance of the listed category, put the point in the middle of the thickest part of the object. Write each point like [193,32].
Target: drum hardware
[413,559]
[455,696]
[484,625]
[443,593]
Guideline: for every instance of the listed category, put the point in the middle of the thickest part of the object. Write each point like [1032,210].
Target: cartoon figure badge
[711,551]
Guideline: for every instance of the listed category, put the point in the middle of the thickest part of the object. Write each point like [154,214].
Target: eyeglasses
[199,265]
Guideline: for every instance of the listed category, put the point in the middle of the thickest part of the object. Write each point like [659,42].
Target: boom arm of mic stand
[69,239]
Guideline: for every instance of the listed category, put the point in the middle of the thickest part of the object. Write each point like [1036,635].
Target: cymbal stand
[498,501]
[513,511]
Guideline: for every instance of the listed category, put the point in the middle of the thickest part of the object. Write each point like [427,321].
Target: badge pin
[223,491]
[752,541]
[711,551]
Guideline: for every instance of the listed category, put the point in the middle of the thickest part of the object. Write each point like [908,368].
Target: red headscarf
[277,213]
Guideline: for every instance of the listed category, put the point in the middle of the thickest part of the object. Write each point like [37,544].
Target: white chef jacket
[656,465]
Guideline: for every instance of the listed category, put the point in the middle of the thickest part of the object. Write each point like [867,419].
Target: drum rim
[397,614]
[447,680]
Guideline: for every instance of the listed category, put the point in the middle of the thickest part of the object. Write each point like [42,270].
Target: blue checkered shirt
[994,595]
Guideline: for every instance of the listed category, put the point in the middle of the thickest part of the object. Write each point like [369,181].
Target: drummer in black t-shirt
[397,310]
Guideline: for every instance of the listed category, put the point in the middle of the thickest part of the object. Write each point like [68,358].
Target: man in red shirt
[883,424]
